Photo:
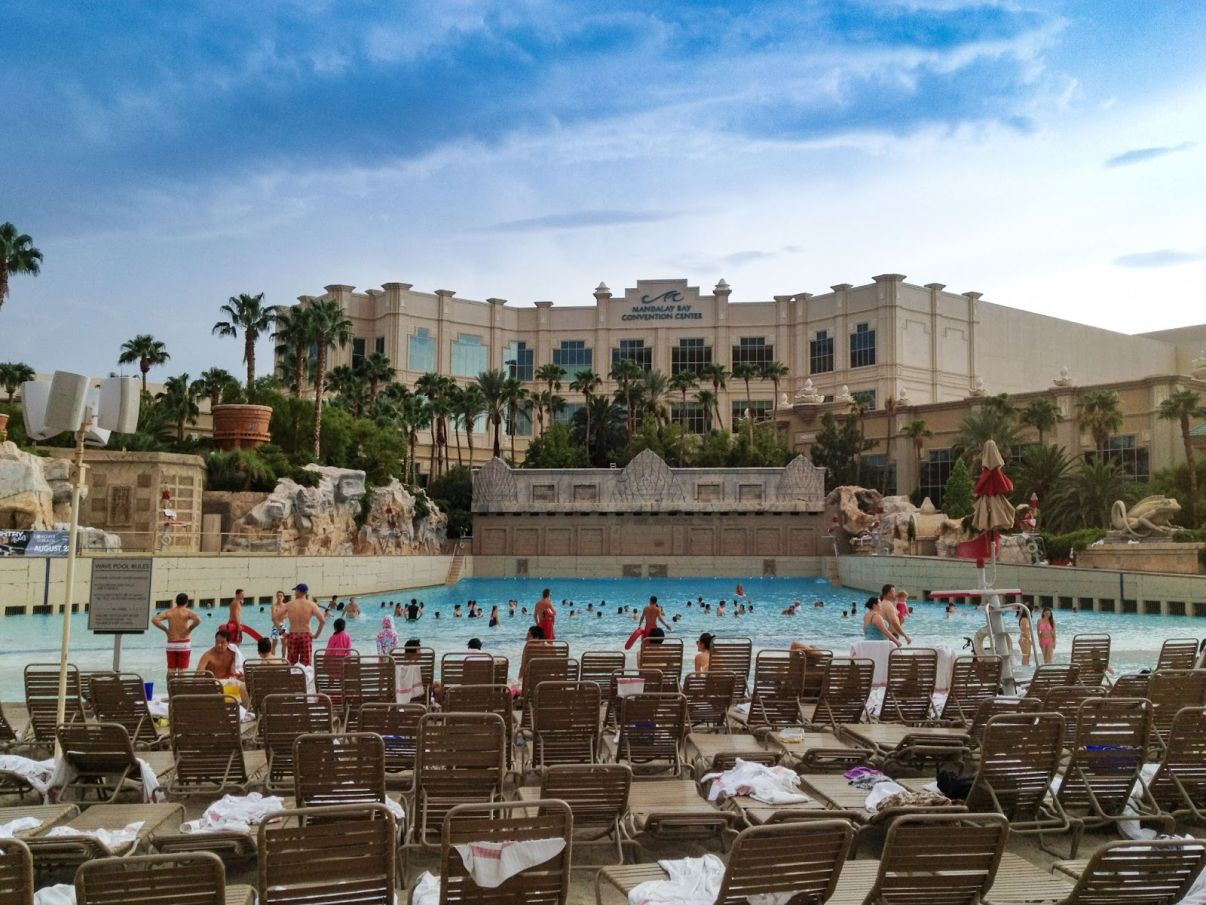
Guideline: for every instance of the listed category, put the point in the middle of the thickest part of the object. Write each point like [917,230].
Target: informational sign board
[33,543]
[121,596]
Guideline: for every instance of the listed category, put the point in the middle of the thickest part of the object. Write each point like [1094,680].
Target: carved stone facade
[649,508]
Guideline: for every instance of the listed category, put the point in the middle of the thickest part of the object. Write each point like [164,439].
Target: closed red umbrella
[993,511]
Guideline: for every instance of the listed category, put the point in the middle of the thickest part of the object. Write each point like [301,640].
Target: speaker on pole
[119,400]
[65,405]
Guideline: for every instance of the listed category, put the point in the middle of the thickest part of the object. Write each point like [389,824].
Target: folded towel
[59,894]
[235,813]
[20,825]
[770,785]
[113,840]
[693,881]
[491,864]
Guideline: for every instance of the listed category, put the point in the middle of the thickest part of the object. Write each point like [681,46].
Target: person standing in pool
[178,624]
[546,615]
[413,611]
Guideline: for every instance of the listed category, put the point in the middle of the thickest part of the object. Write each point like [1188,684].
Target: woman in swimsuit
[875,628]
[1025,642]
[1046,633]
[703,657]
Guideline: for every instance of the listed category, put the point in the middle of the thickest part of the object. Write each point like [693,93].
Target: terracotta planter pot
[241,426]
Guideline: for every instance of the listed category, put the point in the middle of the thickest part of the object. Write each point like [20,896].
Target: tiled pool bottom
[1136,638]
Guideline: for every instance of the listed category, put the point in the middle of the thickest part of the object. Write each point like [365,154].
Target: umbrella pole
[996,627]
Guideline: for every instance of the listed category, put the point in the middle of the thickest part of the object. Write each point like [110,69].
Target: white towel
[151,790]
[627,686]
[427,892]
[770,785]
[20,825]
[35,772]
[693,881]
[946,666]
[877,652]
[113,840]
[158,709]
[491,864]
[881,791]
[235,813]
[408,682]
[60,894]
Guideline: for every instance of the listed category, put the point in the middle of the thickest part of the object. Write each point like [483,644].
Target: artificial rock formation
[26,498]
[335,518]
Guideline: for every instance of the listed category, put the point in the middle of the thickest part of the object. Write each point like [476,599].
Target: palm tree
[377,369]
[350,388]
[716,373]
[586,382]
[179,402]
[470,404]
[493,386]
[1086,495]
[1181,406]
[436,388]
[1042,414]
[246,313]
[551,375]
[709,402]
[746,371]
[1100,414]
[918,432]
[774,371]
[329,327]
[146,350]
[212,384]
[682,382]
[401,408]
[292,337]
[13,374]
[654,386]
[991,420]
[515,396]
[1042,471]
[17,255]
[625,373]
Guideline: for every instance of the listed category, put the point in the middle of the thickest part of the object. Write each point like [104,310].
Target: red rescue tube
[632,639]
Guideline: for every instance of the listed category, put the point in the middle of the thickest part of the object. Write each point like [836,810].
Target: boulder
[26,499]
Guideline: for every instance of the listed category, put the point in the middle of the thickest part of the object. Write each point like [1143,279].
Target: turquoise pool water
[1136,638]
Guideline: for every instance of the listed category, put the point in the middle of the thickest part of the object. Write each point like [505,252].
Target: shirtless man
[299,641]
[887,609]
[652,615]
[222,661]
[353,609]
[178,623]
[234,625]
[546,615]
[280,607]
[267,652]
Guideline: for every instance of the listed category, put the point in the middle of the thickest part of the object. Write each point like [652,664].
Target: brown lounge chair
[42,701]
[344,854]
[1130,685]
[709,752]
[472,668]
[709,696]
[802,858]
[1178,653]
[597,795]
[104,762]
[664,654]
[51,815]
[71,851]
[911,747]
[999,706]
[1091,657]
[398,726]
[626,682]
[598,665]
[16,873]
[565,724]
[974,680]
[674,809]
[734,655]
[461,760]
[546,883]
[652,730]
[197,683]
[284,717]
[193,879]
[1051,675]
[1179,784]
[843,694]
[207,745]
[264,679]
[818,752]
[774,693]
[909,693]
[339,769]
[122,698]
[1145,872]
[1066,701]
[496,699]
[1169,690]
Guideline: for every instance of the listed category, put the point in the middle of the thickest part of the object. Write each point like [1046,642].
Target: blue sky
[166,156]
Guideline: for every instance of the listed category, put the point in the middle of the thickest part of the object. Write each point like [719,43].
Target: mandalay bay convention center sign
[671,305]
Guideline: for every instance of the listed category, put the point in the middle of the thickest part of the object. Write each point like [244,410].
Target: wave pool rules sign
[121,596]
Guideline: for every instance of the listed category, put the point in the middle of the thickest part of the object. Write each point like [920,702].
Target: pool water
[1136,638]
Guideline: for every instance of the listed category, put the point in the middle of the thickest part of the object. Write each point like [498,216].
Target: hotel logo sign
[667,306]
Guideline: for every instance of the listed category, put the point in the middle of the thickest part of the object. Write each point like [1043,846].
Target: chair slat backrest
[1108,751]
[332,672]
[1178,653]
[1179,784]
[42,699]
[1130,685]
[1066,700]
[197,683]
[496,699]
[194,878]
[473,668]
[16,872]
[998,706]
[542,669]
[845,691]
[598,665]
[709,696]
[974,680]
[652,727]
[1051,675]
[206,743]
[665,654]
[342,854]
[909,693]
[398,726]
[264,679]
[123,699]
[1091,657]
[565,723]
[96,750]
[534,650]
[546,883]
[1019,756]
[1148,872]
[775,690]
[1171,689]
[284,718]
[735,655]
[461,758]
[597,794]
[331,769]
[940,859]
[627,682]
[816,667]
[797,859]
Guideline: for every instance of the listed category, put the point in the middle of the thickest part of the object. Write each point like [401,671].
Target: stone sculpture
[856,508]
[493,483]
[647,479]
[801,480]
[808,394]
[26,498]
[1149,519]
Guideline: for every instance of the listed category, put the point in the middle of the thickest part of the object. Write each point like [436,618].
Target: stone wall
[1149,556]
[648,566]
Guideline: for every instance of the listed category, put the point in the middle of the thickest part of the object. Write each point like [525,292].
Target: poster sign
[33,543]
[121,596]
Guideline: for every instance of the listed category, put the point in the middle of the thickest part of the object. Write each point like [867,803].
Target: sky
[166,156]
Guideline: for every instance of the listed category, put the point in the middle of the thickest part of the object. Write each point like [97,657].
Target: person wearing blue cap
[299,641]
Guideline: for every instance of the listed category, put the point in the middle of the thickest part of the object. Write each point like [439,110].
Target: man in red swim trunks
[299,642]
[546,615]
[178,624]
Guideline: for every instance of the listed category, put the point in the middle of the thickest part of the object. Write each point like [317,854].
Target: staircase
[458,561]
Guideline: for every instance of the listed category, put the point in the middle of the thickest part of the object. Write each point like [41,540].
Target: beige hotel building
[908,351]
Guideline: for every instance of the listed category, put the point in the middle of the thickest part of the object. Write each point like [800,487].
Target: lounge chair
[664,654]
[1091,657]
[472,668]
[206,742]
[675,809]
[1109,749]
[1178,786]
[910,747]
[1066,700]
[818,752]
[16,873]
[843,696]
[734,655]
[627,682]
[774,692]
[542,669]
[42,701]
[1142,872]
[998,706]
[496,699]
[179,879]
[709,752]
[461,760]
[816,668]
[565,724]
[123,699]
[545,883]
[833,796]
[909,693]
[337,675]
[71,851]
[331,769]
[1130,685]
[374,684]
[102,758]
[534,650]
[800,859]
[709,696]
[283,717]
[598,665]
[340,854]
[264,679]
[974,680]
[1178,653]
[597,795]
[1051,675]
[652,729]
[1171,689]
[50,815]
[398,726]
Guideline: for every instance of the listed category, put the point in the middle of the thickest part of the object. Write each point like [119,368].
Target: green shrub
[1060,546]
[238,471]
[1186,536]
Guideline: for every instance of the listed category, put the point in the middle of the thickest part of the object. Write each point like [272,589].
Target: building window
[753,350]
[421,351]
[934,473]
[379,345]
[866,397]
[693,417]
[1127,453]
[479,424]
[820,353]
[521,426]
[760,409]
[690,355]
[573,355]
[566,414]
[875,471]
[519,360]
[358,344]
[862,347]
[469,356]
[633,350]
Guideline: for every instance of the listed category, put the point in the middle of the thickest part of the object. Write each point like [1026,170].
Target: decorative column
[443,346]
[935,292]
[497,338]
[601,354]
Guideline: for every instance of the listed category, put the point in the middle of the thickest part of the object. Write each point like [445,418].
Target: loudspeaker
[34,394]
[94,434]
[119,404]
[65,405]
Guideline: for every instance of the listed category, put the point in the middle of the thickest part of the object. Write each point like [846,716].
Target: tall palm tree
[1088,492]
[515,395]
[212,384]
[774,371]
[400,408]
[350,387]
[1042,414]
[146,350]
[586,382]
[1100,413]
[625,373]
[13,374]
[746,371]
[470,405]
[329,327]
[551,375]
[377,369]
[988,421]
[918,432]
[683,382]
[716,374]
[292,335]
[1180,407]
[247,314]
[493,386]
[654,389]
[608,425]
[435,388]
[1042,471]
[709,402]
[179,402]
[17,255]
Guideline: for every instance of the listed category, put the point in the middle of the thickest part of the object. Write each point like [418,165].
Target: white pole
[77,482]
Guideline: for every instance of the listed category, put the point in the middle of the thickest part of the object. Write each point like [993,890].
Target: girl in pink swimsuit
[1046,634]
